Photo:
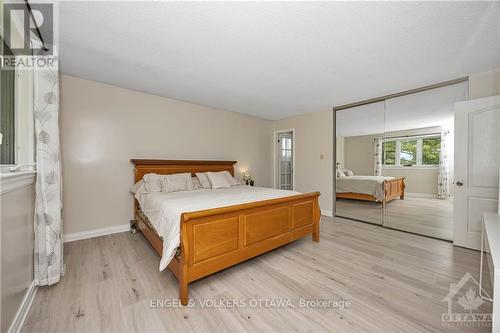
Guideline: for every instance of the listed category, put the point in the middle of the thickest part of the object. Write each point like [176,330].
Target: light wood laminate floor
[426,216]
[395,282]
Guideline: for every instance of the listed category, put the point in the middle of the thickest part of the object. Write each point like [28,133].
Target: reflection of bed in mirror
[370,188]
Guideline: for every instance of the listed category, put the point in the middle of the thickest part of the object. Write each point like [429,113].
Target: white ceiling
[277,59]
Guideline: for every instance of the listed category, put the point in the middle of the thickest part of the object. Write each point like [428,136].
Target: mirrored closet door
[419,150]
[395,160]
[360,133]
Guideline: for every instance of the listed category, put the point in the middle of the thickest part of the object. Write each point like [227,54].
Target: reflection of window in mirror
[389,152]
[417,151]
[431,150]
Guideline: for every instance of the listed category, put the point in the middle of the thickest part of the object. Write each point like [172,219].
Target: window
[408,153]
[431,150]
[389,152]
[284,171]
[415,151]
[7,110]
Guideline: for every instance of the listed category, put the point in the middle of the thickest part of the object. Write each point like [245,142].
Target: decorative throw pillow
[177,182]
[340,174]
[218,179]
[202,177]
[152,182]
[196,183]
[349,173]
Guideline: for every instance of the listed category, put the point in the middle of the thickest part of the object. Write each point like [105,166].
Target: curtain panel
[444,167]
[377,170]
[48,259]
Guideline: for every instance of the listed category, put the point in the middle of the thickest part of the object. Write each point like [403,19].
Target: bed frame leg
[183,276]
[133,226]
[316,221]
[183,292]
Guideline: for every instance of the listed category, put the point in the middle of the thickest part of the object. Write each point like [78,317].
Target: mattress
[372,185]
[164,210]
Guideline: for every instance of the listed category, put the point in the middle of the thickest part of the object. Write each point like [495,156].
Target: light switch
[320,156]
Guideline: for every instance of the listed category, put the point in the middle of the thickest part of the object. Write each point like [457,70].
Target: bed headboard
[166,167]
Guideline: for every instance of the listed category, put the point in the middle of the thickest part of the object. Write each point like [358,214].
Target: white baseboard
[24,308]
[74,236]
[421,195]
[326,213]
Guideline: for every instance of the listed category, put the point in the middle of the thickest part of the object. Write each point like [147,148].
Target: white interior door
[477,158]
[284,163]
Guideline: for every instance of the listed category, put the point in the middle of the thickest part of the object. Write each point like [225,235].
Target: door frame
[275,157]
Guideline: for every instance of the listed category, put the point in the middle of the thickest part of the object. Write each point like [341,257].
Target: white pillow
[340,174]
[202,177]
[152,182]
[349,173]
[196,183]
[230,178]
[137,186]
[218,179]
[141,191]
[177,182]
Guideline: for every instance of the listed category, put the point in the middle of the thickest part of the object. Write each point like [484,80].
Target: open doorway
[284,159]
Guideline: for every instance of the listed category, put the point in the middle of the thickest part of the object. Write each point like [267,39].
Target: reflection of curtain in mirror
[444,168]
[377,171]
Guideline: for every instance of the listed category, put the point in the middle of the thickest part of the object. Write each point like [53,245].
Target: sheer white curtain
[48,205]
[444,167]
[377,170]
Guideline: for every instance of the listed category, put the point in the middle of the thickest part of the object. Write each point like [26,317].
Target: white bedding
[164,209]
[372,185]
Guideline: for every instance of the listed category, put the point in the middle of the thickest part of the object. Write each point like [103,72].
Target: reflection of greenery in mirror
[431,150]
[408,155]
[423,151]
[389,152]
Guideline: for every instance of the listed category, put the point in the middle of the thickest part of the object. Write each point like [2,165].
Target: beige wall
[103,126]
[313,138]
[359,157]
[340,151]
[484,84]
[97,174]
[17,212]
[358,154]
[421,181]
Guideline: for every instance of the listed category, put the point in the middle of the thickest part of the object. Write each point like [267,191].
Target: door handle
[459,183]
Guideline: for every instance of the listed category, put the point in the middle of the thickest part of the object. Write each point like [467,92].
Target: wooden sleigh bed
[393,188]
[214,239]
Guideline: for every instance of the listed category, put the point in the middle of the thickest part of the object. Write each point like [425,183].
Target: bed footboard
[214,239]
[394,188]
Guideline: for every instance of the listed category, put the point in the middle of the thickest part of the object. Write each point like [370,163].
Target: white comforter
[164,209]
[371,185]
